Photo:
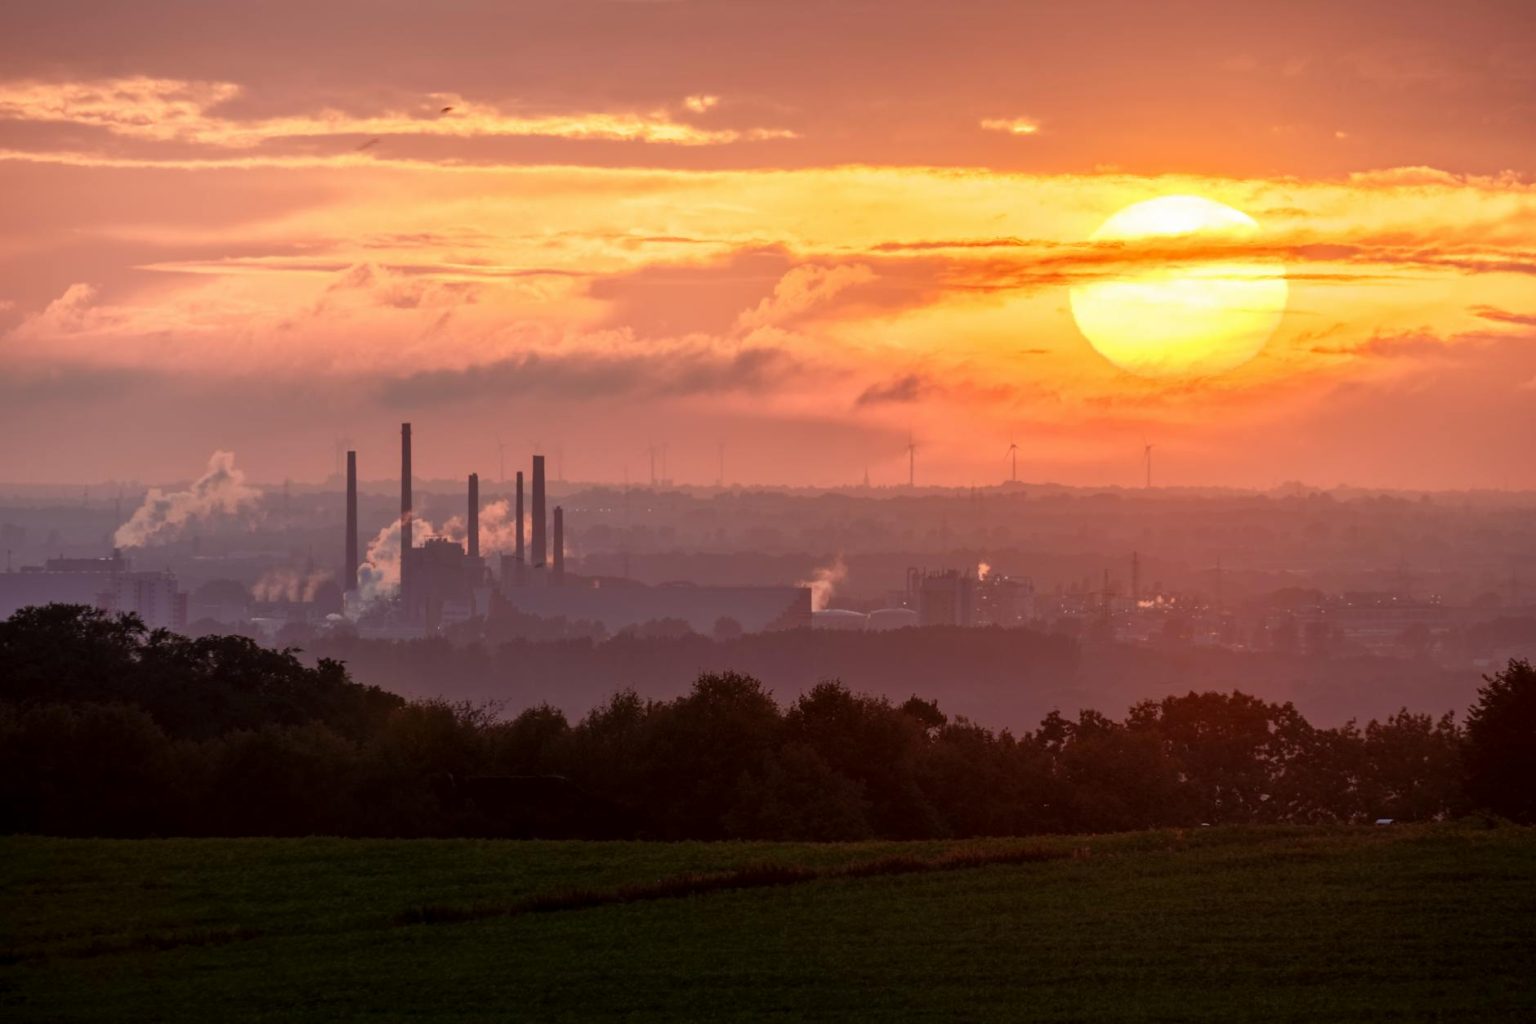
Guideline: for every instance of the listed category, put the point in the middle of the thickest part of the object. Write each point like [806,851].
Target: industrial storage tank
[892,618]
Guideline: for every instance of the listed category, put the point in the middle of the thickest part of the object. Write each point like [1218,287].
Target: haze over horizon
[808,234]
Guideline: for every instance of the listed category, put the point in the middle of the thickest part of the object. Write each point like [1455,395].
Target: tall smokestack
[519,503]
[349,570]
[474,515]
[405,504]
[559,574]
[521,555]
[540,551]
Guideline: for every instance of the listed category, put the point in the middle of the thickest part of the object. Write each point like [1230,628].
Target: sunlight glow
[1185,313]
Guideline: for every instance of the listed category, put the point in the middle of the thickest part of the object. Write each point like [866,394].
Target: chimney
[519,503]
[559,525]
[540,549]
[474,515]
[349,570]
[405,504]
[521,559]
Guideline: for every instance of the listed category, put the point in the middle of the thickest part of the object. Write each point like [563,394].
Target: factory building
[110,584]
[1004,600]
[962,598]
[945,598]
[443,581]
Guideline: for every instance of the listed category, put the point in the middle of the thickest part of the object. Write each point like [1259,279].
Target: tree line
[108,728]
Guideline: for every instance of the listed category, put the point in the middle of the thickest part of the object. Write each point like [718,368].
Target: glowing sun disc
[1190,317]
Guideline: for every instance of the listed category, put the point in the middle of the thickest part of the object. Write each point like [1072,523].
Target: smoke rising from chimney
[289,584]
[378,578]
[498,528]
[164,515]
[824,582]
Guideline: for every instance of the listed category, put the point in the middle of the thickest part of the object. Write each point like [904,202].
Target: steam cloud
[824,582]
[378,578]
[498,528]
[163,516]
[288,584]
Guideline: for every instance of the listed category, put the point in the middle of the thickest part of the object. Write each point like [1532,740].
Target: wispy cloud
[1501,316]
[676,372]
[909,387]
[196,112]
[1011,125]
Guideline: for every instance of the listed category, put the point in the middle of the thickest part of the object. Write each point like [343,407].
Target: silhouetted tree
[107,728]
[797,795]
[698,749]
[192,687]
[864,739]
[1501,744]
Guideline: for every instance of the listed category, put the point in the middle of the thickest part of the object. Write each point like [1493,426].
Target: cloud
[1390,346]
[70,313]
[374,285]
[30,386]
[802,289]
[910,387]
[1504,317]
[168,110]
[1022,126]
[576,376]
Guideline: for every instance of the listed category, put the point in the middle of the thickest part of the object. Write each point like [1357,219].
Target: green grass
[1400,924]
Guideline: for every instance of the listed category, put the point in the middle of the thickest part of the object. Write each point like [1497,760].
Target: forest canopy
[108,728]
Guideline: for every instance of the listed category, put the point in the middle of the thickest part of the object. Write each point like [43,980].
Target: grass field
[1397,923]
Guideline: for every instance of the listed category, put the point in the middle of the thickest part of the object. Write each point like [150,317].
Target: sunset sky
[805,231]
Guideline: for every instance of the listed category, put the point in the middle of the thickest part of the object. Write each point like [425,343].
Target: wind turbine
[911,462]
[1013,453]
[1147,452]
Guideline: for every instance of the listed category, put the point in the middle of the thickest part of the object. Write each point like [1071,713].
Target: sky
[801,235]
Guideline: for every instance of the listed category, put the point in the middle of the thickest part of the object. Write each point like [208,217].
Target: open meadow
[1400,923]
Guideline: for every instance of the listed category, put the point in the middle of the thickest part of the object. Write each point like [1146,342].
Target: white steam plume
[163,516]
[498,527]
[378,578]
[824,582]
[288,584]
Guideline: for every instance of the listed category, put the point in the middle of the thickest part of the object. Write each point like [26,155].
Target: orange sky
[801,231]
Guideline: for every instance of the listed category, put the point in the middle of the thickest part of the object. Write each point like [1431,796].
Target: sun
[1182,313]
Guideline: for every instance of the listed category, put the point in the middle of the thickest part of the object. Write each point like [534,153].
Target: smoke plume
[163,516]
[378,578]
[498,528]
[288,584]
[824,582]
